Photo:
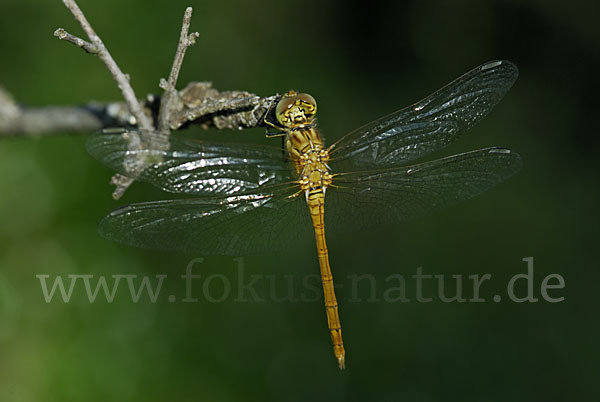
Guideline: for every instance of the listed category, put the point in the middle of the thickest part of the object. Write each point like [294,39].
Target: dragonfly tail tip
[342,362]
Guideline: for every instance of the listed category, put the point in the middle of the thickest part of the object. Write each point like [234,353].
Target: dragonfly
[251,199]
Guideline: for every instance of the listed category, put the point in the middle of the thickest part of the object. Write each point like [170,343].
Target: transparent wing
[364,199]
[428,125]
[239,225]
[189,166]
[264,222]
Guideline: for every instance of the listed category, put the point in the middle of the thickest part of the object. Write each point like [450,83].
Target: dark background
[360,62]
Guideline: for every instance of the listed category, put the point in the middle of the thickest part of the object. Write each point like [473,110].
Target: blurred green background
[360,62]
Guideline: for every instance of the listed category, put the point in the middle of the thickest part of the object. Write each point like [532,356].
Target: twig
[236,109]
[167,102]
[61,34]
[166,105]
[223,110]
[197,104]
[20,120]
[98,48]
[101,51]
[121,184]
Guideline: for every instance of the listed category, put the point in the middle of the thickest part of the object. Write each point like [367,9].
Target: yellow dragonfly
[251,199]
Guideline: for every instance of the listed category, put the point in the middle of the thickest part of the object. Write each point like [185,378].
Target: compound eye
[309,103]
[283,106]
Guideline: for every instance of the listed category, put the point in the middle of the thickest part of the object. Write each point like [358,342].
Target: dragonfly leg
[296,194]
[284,154]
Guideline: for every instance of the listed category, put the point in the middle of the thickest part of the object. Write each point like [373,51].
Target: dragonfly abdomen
[316,202]
[305,148]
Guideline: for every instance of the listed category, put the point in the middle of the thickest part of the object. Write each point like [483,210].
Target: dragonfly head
[295,110]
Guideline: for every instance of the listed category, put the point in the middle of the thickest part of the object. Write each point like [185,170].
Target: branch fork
[144,123]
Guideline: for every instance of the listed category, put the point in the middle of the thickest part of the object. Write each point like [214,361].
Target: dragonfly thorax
[310,159]
[305,147]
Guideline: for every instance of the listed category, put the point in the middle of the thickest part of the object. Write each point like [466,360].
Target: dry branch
[100,50]
[198,103]
[97,47]
[168,99]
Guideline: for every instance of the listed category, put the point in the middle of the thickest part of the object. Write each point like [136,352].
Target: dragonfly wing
[189,166]
[364,199]
[428,125]
[238,225]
